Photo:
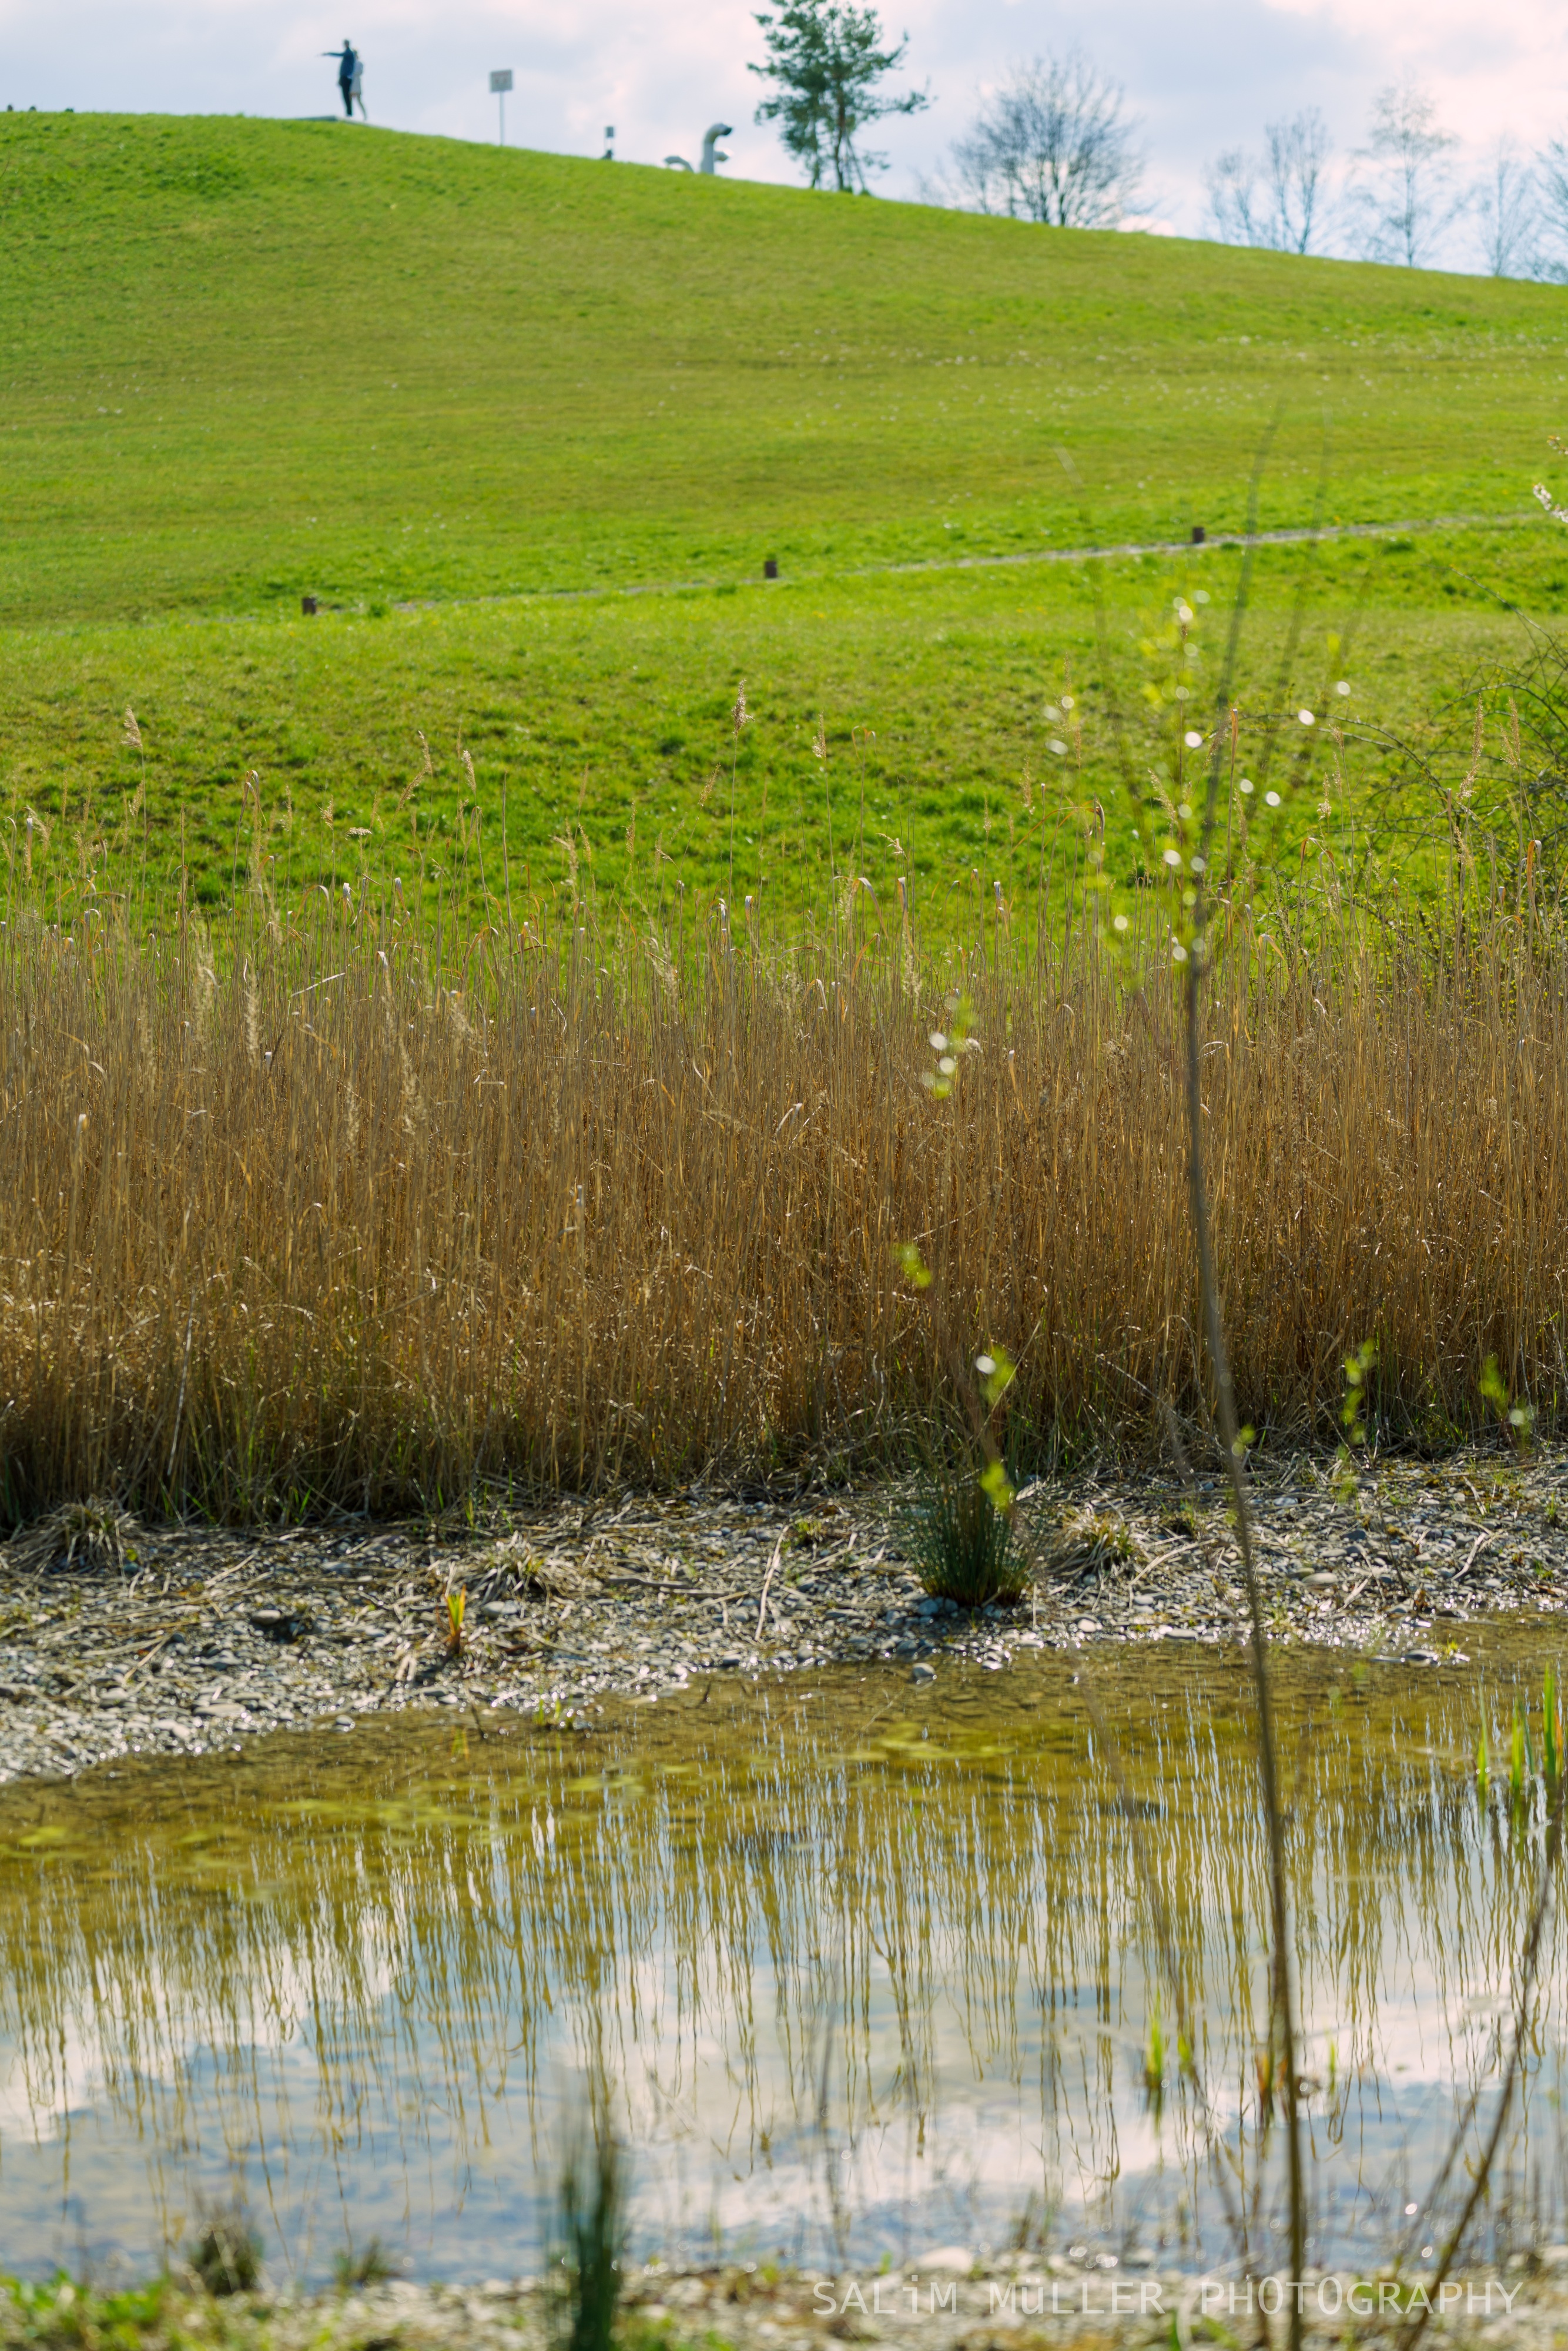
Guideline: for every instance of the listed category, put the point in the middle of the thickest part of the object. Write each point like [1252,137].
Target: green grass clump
[59,2314]
[961,1545]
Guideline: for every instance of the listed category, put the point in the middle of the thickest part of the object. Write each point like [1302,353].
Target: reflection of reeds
[948,1915]
[1483,2167]
[334,1214]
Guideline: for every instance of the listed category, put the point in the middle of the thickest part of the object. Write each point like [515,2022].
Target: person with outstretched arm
[349,68]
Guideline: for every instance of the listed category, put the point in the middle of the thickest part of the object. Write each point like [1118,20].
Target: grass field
[611,722]
[246,360]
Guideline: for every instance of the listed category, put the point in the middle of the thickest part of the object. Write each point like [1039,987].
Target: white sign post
[500,83]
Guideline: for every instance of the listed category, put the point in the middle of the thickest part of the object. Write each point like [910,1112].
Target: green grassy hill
[245,361]
[248,358]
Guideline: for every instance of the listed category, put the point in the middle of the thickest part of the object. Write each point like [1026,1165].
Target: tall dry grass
[328,1219]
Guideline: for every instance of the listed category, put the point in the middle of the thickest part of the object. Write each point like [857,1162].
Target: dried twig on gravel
[93,1536]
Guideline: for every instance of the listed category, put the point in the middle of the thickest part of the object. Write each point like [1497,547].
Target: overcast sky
[1204,77]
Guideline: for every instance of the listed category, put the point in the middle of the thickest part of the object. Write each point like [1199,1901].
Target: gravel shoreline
[945,2302]
[200,1639]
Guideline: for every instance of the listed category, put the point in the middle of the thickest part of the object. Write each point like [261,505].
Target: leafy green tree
[826,61]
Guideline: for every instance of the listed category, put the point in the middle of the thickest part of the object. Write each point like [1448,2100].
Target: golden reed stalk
[324,1222]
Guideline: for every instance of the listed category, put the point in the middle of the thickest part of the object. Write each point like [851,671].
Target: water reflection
[869,1969]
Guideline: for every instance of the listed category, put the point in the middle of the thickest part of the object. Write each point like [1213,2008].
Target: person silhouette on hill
[350,70]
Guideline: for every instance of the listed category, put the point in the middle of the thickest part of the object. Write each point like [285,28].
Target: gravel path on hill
[1525,517]
[196,1639]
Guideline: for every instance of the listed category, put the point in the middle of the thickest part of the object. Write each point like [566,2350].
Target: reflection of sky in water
[867,1968]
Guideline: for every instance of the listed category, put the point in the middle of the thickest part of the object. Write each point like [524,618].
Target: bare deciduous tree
[1410,201]
[1299,152]
[1289,213]
[1232,183]
[1053,144]
[1505,203]
[1552,193]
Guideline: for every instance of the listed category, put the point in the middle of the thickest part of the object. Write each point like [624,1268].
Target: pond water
[866,1969]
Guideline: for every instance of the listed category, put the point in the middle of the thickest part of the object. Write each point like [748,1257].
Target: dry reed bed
[318,1226]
